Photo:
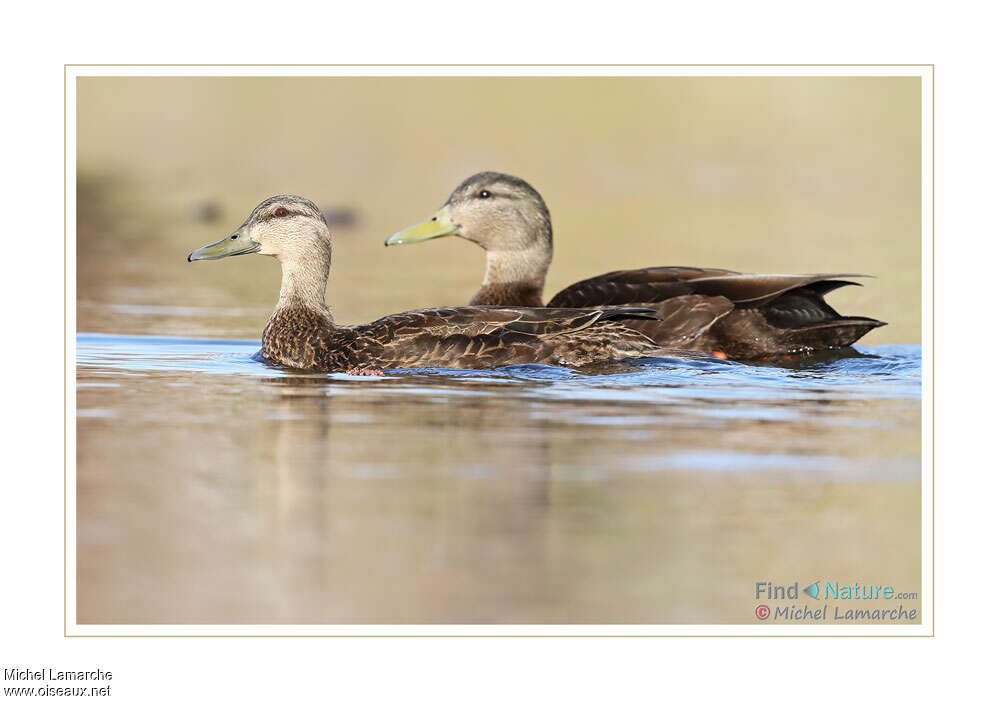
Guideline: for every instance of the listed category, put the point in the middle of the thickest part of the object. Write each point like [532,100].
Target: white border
[76,71]
[926,592]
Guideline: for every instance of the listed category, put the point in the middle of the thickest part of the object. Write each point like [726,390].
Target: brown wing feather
[662,283]
[683,320]
[483,337]
[632,286]
[743,315]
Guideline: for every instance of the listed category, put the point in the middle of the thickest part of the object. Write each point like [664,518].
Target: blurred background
[754,174]
[214,489]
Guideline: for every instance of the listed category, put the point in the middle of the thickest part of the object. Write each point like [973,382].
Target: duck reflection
[424,498]
[446,520]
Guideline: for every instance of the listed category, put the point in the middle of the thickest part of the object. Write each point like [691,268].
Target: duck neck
[304,275]
[515,277]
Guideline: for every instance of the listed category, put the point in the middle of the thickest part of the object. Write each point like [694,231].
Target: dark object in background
[210,211]
[342,218]
[206,211]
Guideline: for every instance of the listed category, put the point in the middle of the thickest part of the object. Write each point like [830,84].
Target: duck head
[499,212]
[288,227]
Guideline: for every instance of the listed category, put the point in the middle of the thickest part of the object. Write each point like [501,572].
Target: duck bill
[437,226]
[236,244]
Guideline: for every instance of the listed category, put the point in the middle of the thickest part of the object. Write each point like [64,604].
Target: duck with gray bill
[302,333]
[713,310]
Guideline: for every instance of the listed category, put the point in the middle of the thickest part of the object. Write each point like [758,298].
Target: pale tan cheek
[270,243]
[267,248]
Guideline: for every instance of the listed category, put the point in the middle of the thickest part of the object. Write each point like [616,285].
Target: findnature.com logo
[837,592]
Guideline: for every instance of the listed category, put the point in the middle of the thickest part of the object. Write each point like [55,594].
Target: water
[213,488]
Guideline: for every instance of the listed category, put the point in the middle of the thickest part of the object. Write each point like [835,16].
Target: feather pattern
[456,337]
[742,315]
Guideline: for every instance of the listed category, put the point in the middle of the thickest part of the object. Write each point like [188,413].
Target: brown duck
[301,332]
[730,314]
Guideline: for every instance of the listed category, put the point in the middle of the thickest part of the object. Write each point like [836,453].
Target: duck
[739,316]
[302,333]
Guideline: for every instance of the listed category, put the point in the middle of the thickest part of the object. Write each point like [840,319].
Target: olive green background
[251,495]
[754,174]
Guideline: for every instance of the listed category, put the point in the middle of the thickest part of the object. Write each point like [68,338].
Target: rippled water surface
[216,489]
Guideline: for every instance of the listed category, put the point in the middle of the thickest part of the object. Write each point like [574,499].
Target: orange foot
[363,371]
[720,354]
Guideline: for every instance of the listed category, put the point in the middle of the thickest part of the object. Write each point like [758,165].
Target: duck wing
[743,315]
[662,283]
[484,337]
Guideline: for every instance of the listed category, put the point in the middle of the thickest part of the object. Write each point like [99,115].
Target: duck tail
[833,333]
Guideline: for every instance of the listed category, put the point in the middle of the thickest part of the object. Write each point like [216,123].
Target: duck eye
[484,194]
[280,212]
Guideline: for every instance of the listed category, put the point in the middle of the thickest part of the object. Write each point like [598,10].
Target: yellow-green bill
[437,226]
